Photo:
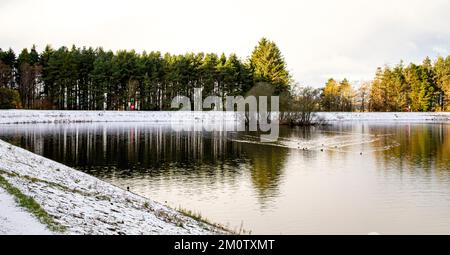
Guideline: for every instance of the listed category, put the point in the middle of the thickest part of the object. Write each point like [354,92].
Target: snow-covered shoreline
[38,116]
[83,204]
[385,116]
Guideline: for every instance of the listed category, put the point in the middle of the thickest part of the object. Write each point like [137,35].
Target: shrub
[9,99]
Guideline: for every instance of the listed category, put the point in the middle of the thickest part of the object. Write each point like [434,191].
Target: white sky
[319,38]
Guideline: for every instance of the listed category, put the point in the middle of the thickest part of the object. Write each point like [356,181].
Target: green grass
[198,217]
[31,205]
[194,215]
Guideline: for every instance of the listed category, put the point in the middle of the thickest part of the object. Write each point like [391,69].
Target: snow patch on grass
[15,220]
[29,204]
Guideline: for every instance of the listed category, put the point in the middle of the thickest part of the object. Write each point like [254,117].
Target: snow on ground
[15,220]
[386,116]
[36,116]
[82,203]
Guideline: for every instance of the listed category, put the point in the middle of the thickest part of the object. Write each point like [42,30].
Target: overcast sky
[319,39]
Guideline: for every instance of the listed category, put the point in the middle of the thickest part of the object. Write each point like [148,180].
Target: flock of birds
[329,141]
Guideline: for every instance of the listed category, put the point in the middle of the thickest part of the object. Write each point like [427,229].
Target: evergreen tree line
[95,79]
[416,88]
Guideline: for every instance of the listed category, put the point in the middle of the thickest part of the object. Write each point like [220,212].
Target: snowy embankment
[80,203]
[385,116]
[35,116]
[15,220]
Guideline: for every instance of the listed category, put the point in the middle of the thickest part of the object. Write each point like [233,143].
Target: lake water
[353,178]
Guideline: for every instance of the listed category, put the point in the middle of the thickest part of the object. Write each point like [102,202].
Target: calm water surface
[352,178]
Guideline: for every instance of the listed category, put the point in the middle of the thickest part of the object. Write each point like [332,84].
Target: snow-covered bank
[81,203]
[386,116]
[15,220]
[34,116]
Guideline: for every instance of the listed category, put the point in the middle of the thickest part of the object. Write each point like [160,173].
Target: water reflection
[351,178]
[424,146]
[156,152]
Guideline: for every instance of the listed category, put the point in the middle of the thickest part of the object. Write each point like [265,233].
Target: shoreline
[82,204]
[69,116]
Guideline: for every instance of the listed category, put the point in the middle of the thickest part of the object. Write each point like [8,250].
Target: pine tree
[48,80]
[442,78]
[268,65]
[378,93]
[28,76]
[346,96]
[330,96]
[7,63]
